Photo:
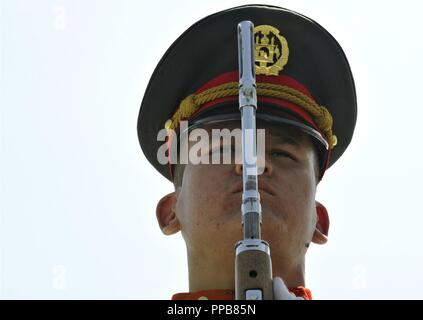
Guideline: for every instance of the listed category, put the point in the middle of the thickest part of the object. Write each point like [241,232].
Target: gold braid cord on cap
[193,102]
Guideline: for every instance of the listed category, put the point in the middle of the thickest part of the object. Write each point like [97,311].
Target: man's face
[209,199]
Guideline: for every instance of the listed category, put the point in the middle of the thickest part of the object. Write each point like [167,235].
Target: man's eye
[282,153]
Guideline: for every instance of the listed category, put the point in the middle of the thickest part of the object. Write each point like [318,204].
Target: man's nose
[264,166]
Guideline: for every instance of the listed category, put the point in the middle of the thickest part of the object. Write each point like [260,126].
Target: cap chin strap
[193,102]
[264,117]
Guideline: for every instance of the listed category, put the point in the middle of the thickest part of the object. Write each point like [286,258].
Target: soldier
[307,106]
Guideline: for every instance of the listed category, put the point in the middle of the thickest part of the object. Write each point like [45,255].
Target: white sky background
[78,197]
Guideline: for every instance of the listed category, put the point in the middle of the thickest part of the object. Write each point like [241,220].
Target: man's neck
[211,273]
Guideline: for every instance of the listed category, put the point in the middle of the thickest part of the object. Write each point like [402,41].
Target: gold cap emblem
[271,50]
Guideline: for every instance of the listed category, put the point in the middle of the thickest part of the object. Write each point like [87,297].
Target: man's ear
[166,215]
[320,235]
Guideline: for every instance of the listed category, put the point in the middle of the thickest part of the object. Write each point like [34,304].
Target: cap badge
[271,50]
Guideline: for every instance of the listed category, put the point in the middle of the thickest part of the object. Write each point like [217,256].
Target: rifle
[253,266]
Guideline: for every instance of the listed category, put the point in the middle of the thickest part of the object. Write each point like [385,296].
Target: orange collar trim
[223,294]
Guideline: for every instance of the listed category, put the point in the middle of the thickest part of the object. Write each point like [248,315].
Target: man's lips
[262,186]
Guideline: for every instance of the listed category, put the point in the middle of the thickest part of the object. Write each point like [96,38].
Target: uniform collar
[226,294]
